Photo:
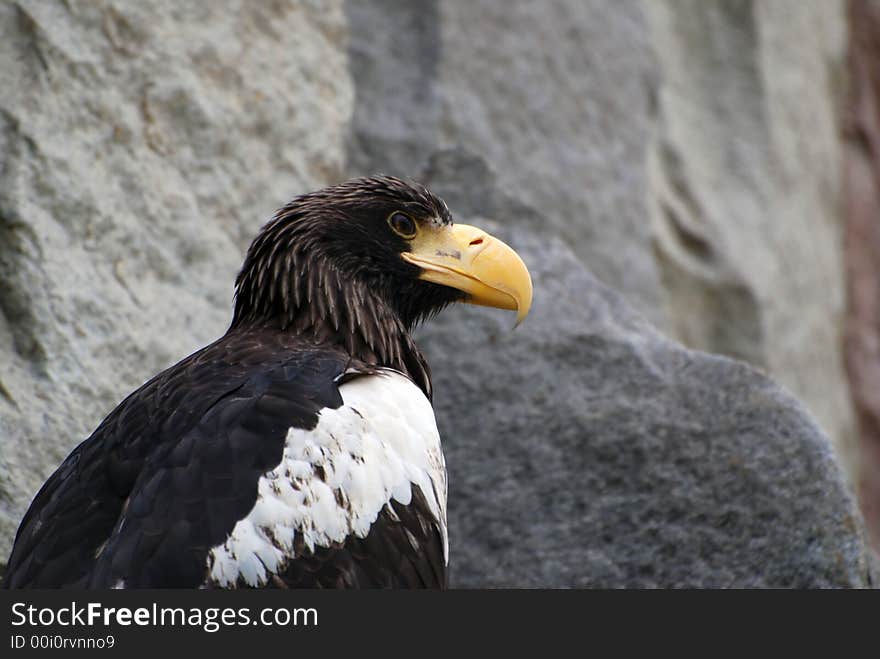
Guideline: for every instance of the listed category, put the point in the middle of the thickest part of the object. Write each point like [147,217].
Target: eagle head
[376,245]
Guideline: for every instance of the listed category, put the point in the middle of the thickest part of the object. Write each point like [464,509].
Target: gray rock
[142,146]
[586,449]
[683,151]
[745,190]
[555,97]
[687,152]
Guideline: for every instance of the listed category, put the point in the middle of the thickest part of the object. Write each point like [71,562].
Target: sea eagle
[300,449]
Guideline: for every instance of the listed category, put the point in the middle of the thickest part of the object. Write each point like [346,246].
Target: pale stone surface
[746,190]
[555,96]
[142,146]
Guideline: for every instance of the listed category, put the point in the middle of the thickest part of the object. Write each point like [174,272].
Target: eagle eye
[402,224]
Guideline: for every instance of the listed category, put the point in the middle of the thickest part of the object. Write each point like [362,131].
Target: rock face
[143,146]
[685,154]
[586,449]
[688,152]
[745,191]
[554,96]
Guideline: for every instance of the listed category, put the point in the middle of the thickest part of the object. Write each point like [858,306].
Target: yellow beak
[470,260]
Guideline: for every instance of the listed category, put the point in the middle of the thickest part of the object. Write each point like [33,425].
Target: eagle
[299,450]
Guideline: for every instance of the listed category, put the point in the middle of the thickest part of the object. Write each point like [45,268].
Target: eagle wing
[194,481]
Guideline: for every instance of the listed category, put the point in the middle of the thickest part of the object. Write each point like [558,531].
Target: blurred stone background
[695,185]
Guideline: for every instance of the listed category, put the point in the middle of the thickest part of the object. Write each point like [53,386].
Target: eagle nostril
[476,241]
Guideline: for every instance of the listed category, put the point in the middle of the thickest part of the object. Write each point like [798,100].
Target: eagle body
[376,454]
[300,449]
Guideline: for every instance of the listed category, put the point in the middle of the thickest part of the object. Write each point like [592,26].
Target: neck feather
[304,294]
